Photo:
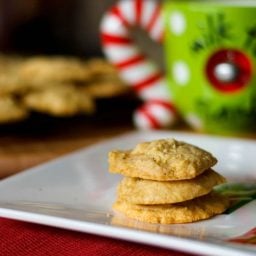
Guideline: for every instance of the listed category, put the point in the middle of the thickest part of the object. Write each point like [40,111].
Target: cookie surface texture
[162,160]
[9,80]
[59,101]
[190,211]
[139,191]
[11,110]
[40,70]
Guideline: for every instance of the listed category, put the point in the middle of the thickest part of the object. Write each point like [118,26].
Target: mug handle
[133,66]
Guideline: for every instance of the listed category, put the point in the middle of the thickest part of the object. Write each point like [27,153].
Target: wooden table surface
[43,138]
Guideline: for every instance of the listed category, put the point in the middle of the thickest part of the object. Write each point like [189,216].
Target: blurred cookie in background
[11,110]
[42,69]
[58,86]
[104,88]
[10,83]
[41,31]
[103,80]
[59,100]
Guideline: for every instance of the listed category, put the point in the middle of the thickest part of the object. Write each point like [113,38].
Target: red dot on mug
[229,70]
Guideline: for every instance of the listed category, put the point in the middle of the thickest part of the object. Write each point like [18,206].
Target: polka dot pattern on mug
[181,72]
[177,23]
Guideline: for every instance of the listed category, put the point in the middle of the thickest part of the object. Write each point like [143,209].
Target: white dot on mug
[181,72]
[177,22]
[194,120]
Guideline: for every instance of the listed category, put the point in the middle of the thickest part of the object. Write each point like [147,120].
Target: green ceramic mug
[210,53]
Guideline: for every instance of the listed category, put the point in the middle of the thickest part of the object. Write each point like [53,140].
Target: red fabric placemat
[21,238]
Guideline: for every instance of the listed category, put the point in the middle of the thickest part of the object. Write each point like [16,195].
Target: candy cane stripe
[113,25]
[137,70]
[140,120]
[148,81]
[148,12]
[120,53]
[153,122]
[127,10]
[111,39]
[157,90]
[153,18]
[116,11]
[165,104]
[138,10]
[130,62]
[154,115]
[162,114]
[157,29]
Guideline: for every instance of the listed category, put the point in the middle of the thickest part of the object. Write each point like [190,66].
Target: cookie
[190,211]
[139,191]
[9,80]
[10,85]
[56,85]
[11,110]
[162,160]
[100,67]
[39,71]
[104,81]
[190,231]
[105,88]
[59,101]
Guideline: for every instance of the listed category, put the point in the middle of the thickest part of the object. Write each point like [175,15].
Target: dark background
[52,26]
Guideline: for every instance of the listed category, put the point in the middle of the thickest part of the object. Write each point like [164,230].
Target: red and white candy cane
[134,67]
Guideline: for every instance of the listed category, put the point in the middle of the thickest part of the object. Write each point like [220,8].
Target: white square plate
[76,192]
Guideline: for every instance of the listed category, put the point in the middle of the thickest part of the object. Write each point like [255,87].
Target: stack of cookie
[59,86]
[167,181]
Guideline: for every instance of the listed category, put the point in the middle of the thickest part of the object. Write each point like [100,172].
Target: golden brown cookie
[59,100]
[9,80]
[41,70]
[11,110]
[100,67]
[194,232]
[163,160]
[104,88]
[140,191]
[104,81]
[10,85]
[190,211]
